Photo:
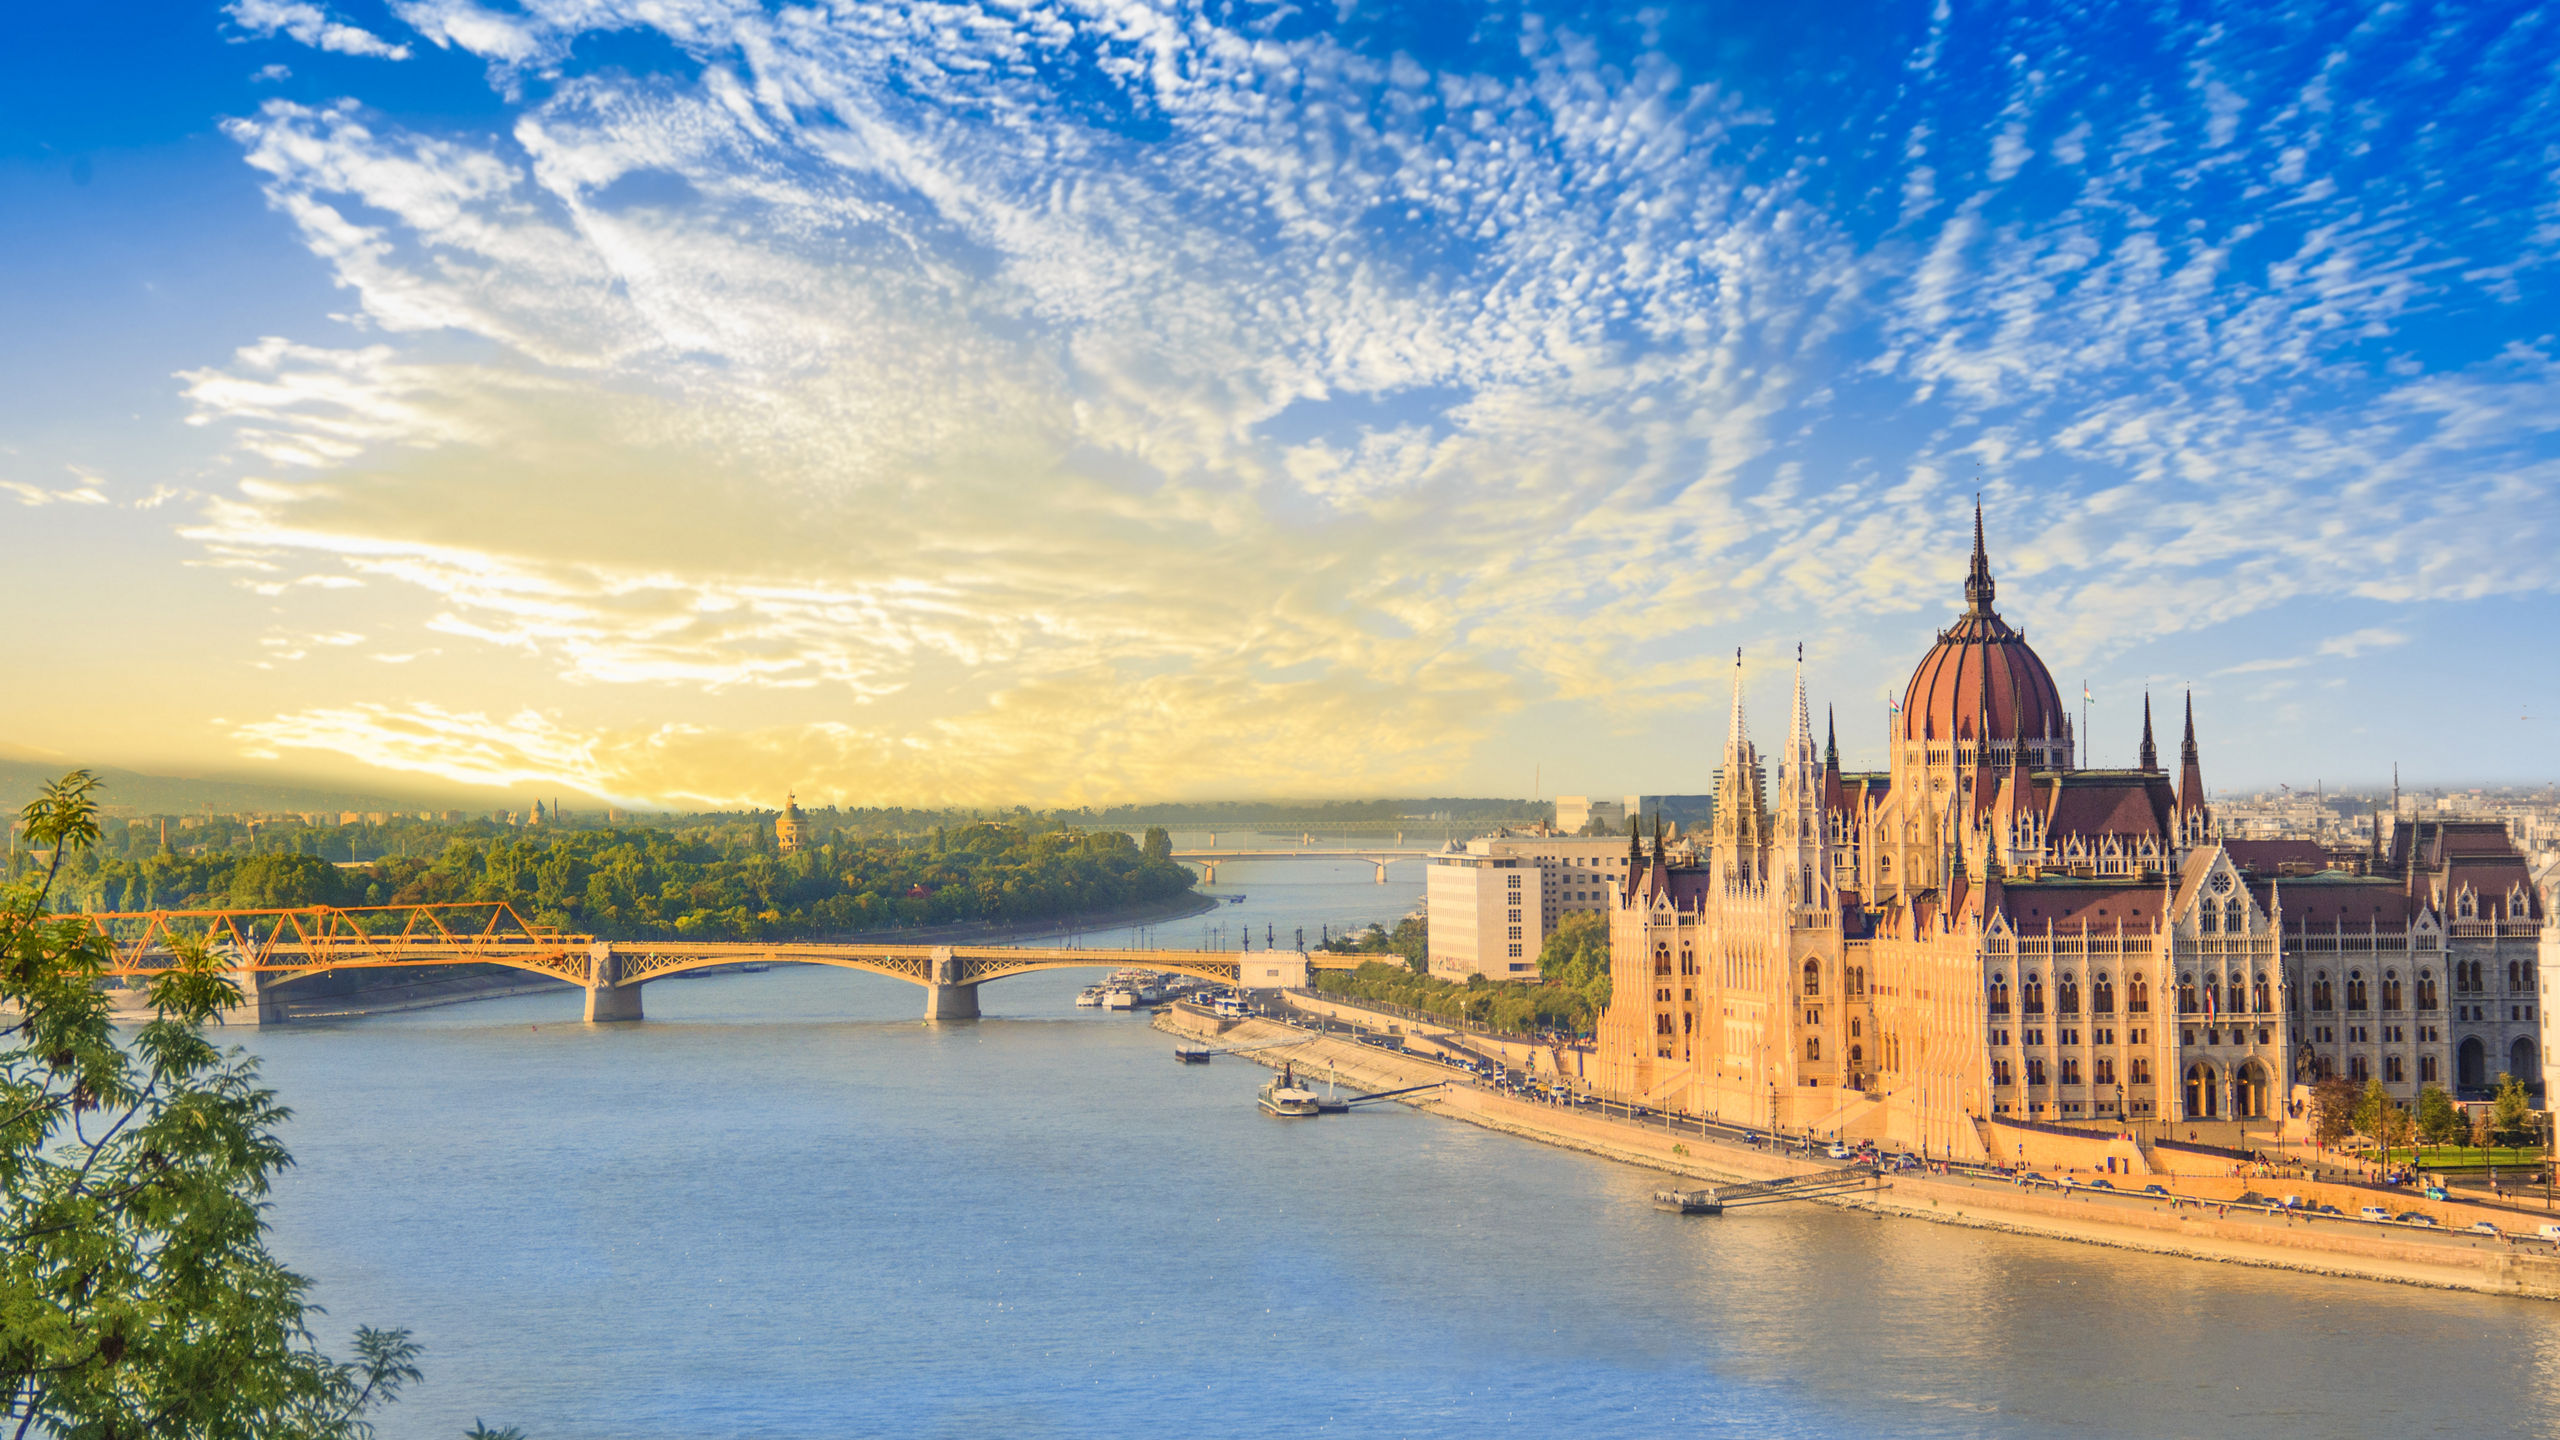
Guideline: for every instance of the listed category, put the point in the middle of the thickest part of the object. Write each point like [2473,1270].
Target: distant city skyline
[676,405]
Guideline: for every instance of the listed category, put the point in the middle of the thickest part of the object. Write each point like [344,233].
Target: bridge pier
[945,997]
[608,999]
[259,1004]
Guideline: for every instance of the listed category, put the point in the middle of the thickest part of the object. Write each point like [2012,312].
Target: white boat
[1284,1096]
[1118,998]
[1089,995]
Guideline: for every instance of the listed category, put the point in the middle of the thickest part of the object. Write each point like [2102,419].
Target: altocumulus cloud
[1120,399]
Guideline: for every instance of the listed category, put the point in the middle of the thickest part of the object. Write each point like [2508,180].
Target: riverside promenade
[2196,1223]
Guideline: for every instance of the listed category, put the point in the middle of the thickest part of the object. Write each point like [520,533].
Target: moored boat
[1284,1096]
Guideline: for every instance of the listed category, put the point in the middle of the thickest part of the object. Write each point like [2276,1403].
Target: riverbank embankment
[2192,1227]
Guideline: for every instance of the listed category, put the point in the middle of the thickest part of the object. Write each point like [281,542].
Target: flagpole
[2084,724]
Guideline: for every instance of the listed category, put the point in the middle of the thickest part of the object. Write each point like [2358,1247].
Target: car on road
[1838,1152]
[2412,1217]
[2373,1212]
[2328,1210]
[2160,1190]
[2436,1192]
[2483,1227]
[2102,1183]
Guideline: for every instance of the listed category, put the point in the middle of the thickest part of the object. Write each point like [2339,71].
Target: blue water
[783,1207]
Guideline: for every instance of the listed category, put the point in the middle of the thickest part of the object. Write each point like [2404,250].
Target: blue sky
[1078,402]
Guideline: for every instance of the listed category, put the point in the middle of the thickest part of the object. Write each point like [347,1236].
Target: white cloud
[877,359]
[309,24]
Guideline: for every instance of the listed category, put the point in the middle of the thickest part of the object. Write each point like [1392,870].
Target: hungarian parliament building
[1989,930]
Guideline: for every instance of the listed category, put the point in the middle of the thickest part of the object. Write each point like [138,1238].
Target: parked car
[2412,1217]
[2373,1212]
[2483,1227]
[2160,1190]
[2329,1210]
[2102,1183]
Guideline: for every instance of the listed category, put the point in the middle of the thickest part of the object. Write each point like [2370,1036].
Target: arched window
[2249,1092]
[2031,995]
[2232,996]
[2358,1069]
[1813,1047]
[2515,977]
[2066,995]
[2105,1070]
[2208,919]
[2137,995]
[2203,1094]
[1999,994]
[2000,1074]
[1812,977]
[2356,991]
[2070,1069]
[2187,995]
[1857,1056]
[2259,998]
[2235,918]
[2102,995]
[2391,990]
[2322,997]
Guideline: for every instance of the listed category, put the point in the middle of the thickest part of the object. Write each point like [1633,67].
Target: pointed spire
[1830,740]
[1635,848]
[2190,771]
[1977,583]
[1800,731]
[2150,751]
[1734,736]
[1659,859]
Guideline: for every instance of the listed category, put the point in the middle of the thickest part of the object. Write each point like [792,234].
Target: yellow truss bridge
[266,949]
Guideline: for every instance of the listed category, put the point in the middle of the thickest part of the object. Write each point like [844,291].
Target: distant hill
[130,791]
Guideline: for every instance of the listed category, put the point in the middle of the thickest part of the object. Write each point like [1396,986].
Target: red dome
[1981,668]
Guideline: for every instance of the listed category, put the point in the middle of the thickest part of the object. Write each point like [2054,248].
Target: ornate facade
[1990,929]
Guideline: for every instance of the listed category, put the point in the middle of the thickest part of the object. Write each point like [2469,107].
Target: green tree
[137,1294]
[1576,956]
[2439,1120]
[1158,845]
[2511,1113]
[2333,1110]
[2371,1107]
[285,882]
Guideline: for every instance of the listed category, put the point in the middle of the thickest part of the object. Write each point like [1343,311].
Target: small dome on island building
[1981,682]
[791,828]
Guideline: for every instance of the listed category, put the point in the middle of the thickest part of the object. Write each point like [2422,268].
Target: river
[782,1207]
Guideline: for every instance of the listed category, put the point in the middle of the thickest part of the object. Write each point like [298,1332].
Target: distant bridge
[265,949]
[1210,860]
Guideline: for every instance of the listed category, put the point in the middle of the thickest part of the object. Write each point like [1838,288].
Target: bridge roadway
[263,950]
[1209,860]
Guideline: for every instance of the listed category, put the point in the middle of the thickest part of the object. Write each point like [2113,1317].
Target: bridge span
[264,950]
[1209,860]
